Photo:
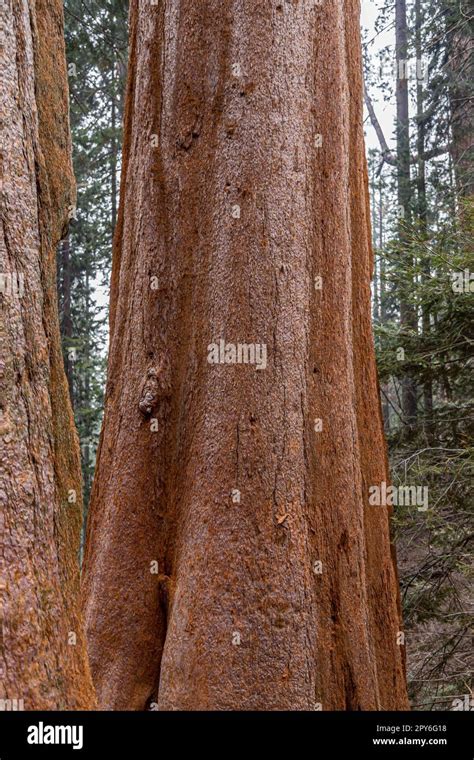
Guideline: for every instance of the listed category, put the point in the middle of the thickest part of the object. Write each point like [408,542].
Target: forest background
[419,134]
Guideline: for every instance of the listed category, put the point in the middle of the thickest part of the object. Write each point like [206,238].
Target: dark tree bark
[232,559]
[42,648]
[461,69]
[383,298]
[408,317]
[422,215]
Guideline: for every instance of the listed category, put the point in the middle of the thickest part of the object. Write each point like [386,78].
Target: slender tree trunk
[423,217]
[232,559]
[375,279]
[65,308]
[461,68]
[87,465]
[383,299]
[113,128]
[113,167]
[407,312]
[403,115]
[376,298]
[42,649]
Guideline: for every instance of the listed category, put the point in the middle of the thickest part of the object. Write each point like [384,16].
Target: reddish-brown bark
[43,662]
[225,105]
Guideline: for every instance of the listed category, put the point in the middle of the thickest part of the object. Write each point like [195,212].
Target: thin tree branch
[387,155]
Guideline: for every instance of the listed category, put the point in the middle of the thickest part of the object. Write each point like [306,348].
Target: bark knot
[155,387]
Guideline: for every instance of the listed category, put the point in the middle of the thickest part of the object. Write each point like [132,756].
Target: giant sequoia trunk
[42,650]
[233,561]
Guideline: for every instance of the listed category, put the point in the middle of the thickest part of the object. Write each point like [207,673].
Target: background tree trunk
[42,650]
[461,68]
[65,277]
[217,473]
[408,318]
[422,216]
